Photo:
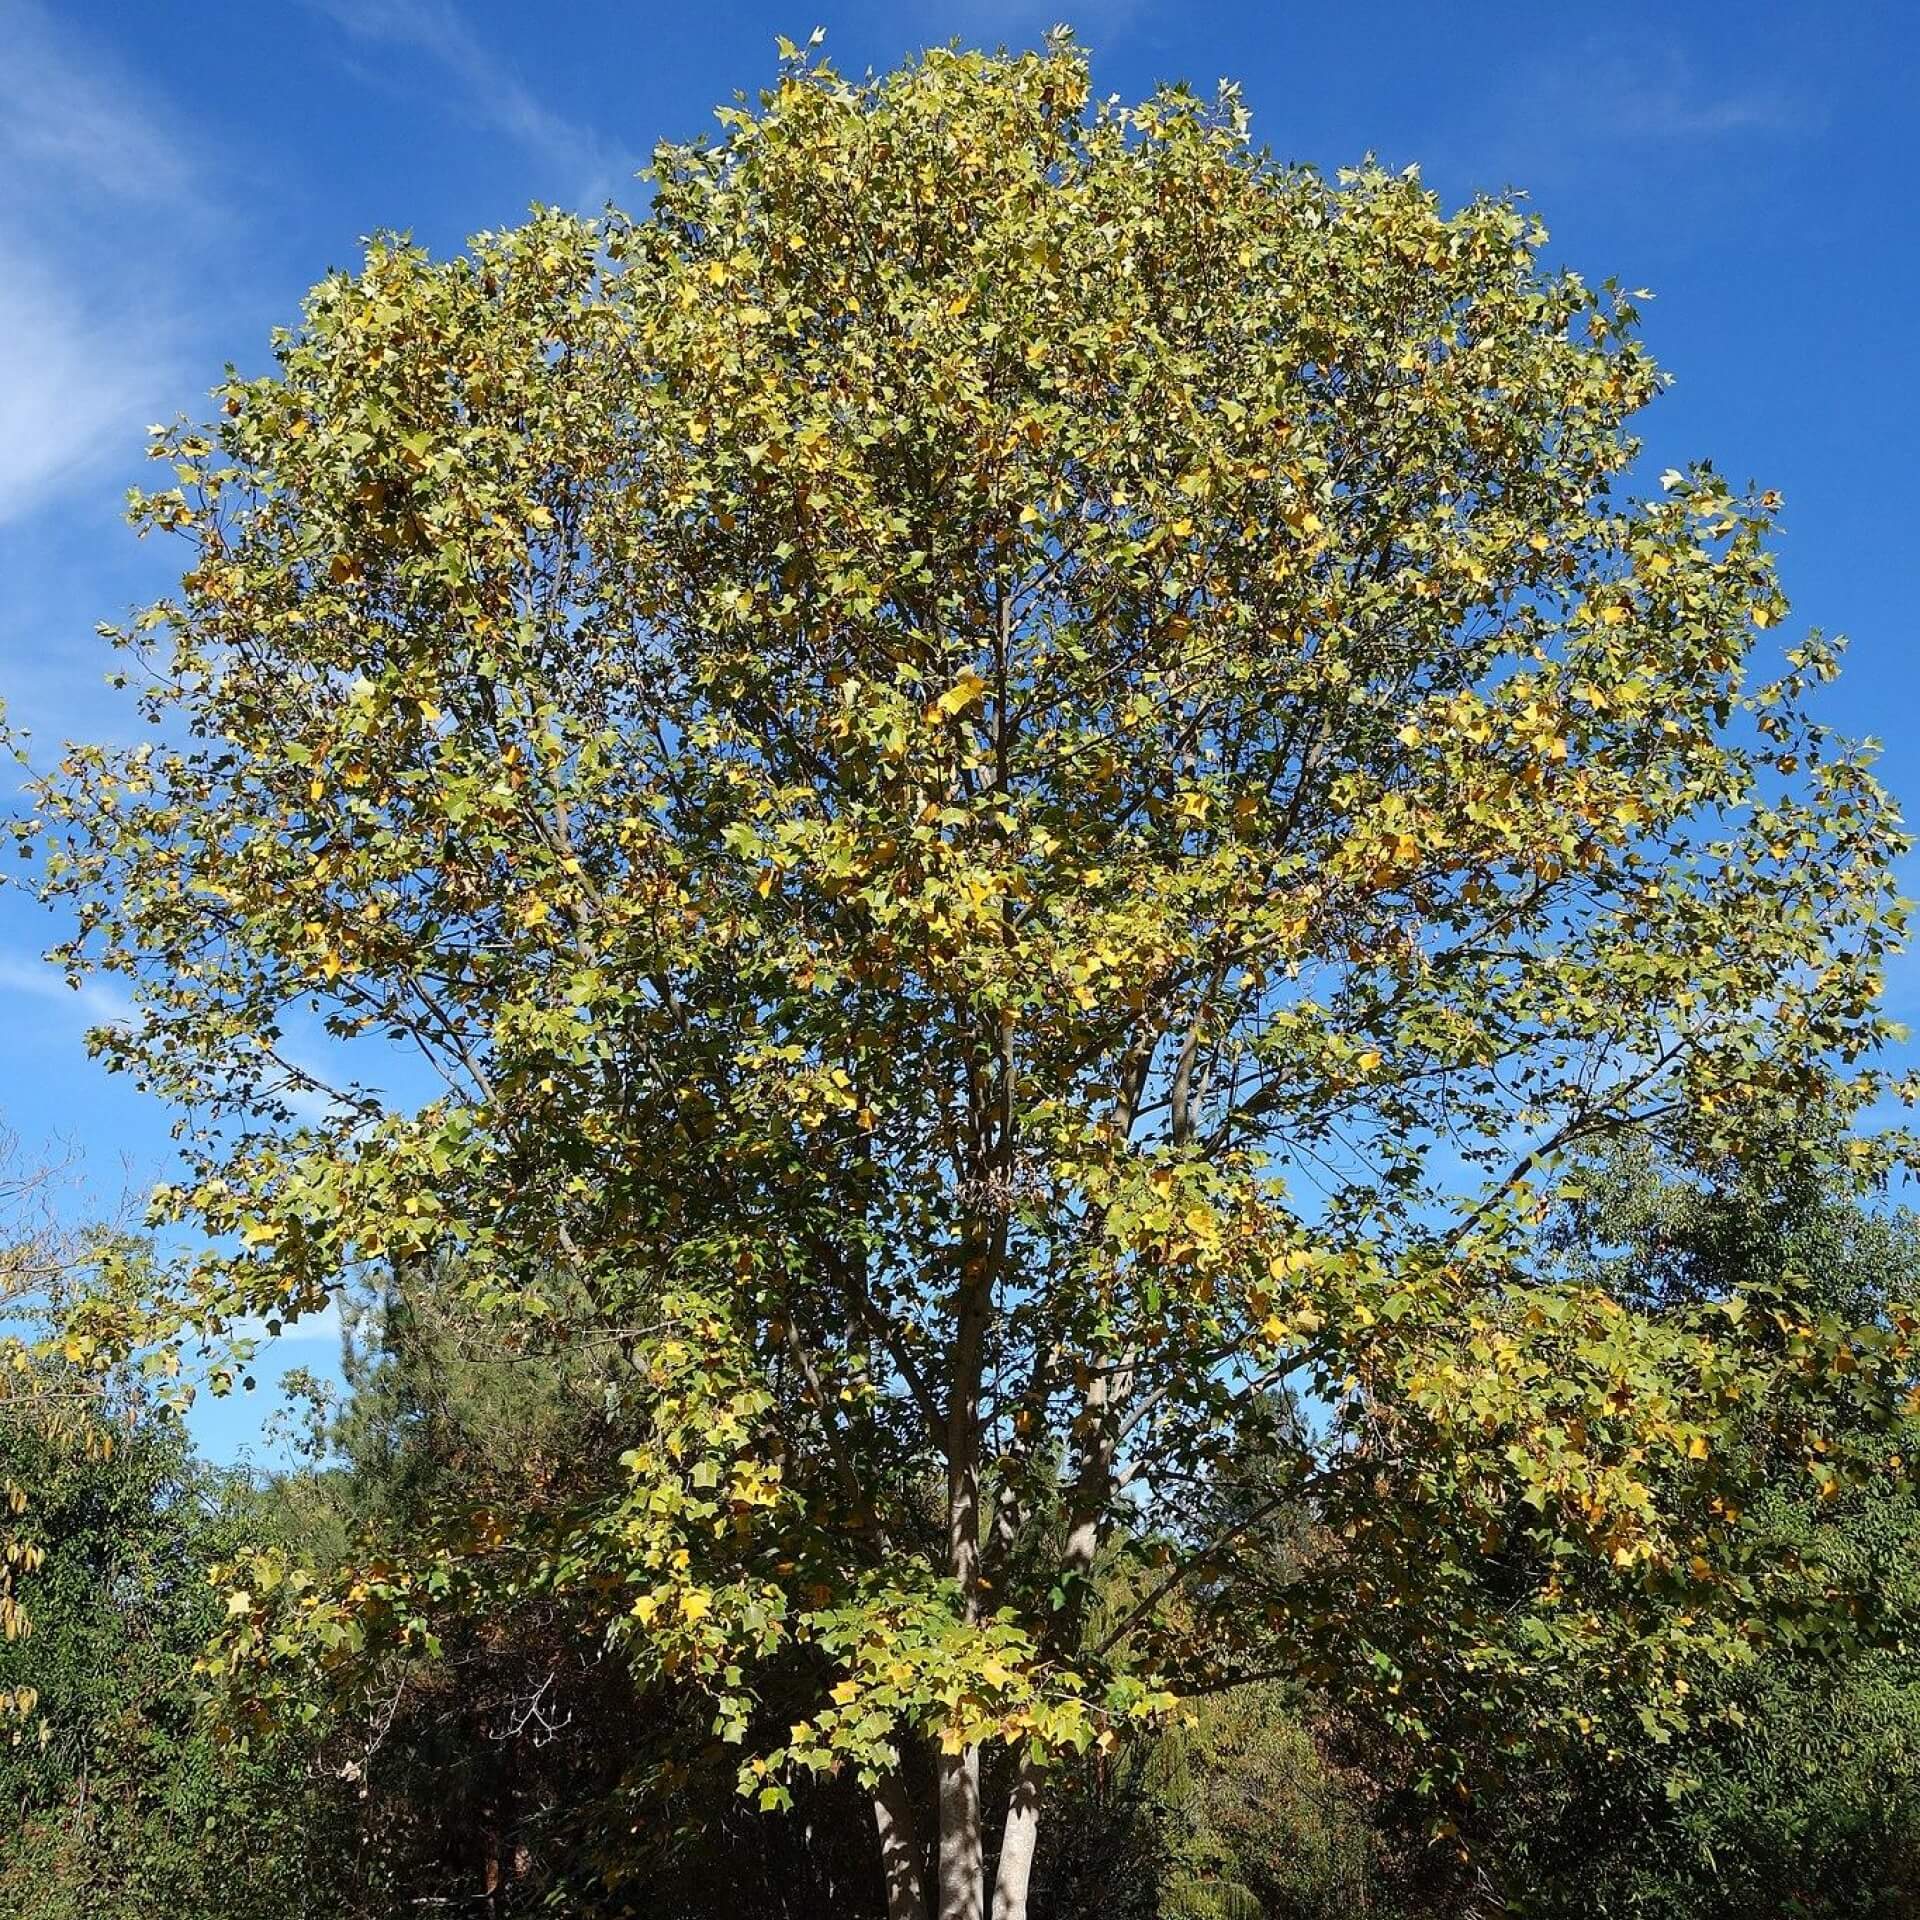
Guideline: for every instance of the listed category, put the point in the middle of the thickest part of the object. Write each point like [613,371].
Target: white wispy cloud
[103,1003]
[1615,113]
[89,184]
[64,115]
[323,1325]
[94,1003]
[1653,94]
[490,93]
[72,383]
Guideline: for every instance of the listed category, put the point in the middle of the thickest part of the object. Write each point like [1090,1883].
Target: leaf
[965,691]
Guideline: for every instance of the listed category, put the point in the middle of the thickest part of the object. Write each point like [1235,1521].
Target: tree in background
[118,1801]
[1259,1824]
[1020,775]
[1794,1785]
[49,1390]
[523,1767]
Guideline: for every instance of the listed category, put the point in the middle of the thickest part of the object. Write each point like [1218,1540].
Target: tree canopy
[1022,775]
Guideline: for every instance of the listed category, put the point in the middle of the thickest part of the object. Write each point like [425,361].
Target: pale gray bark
[899,1850]
[963,1865]
[1016,1847]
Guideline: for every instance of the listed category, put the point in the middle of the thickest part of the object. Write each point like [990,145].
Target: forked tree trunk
[899,1850]
[963,1866]
[1017,1844]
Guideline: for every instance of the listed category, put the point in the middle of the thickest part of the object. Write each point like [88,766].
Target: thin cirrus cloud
[95,1004]
[95,201]
[308,1086]
[68,384]
[1653,97]
[582,164]
[70,118]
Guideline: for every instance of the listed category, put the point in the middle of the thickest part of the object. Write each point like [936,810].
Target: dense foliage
[1795,1782]
[929,862]
[117,1799]
[517,1776]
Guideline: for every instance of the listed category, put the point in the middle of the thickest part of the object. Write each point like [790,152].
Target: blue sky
[172,179]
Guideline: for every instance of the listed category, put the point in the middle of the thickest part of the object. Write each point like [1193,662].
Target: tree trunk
[1016,1846]
[899,1850]
[963,1865]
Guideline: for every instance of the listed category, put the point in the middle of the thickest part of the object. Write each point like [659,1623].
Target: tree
[1264,1829]
[118,1801]
[1796,1786]
[49,1393]
[1020,774]
[522,1769]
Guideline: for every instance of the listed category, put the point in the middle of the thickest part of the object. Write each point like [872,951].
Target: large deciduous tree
[1021,773]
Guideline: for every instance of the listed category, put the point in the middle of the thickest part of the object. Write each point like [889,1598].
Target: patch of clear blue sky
[172,179]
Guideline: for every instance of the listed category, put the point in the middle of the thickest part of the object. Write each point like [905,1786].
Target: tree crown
[1020,773]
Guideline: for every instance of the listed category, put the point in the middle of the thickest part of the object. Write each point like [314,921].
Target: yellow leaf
[961,695]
